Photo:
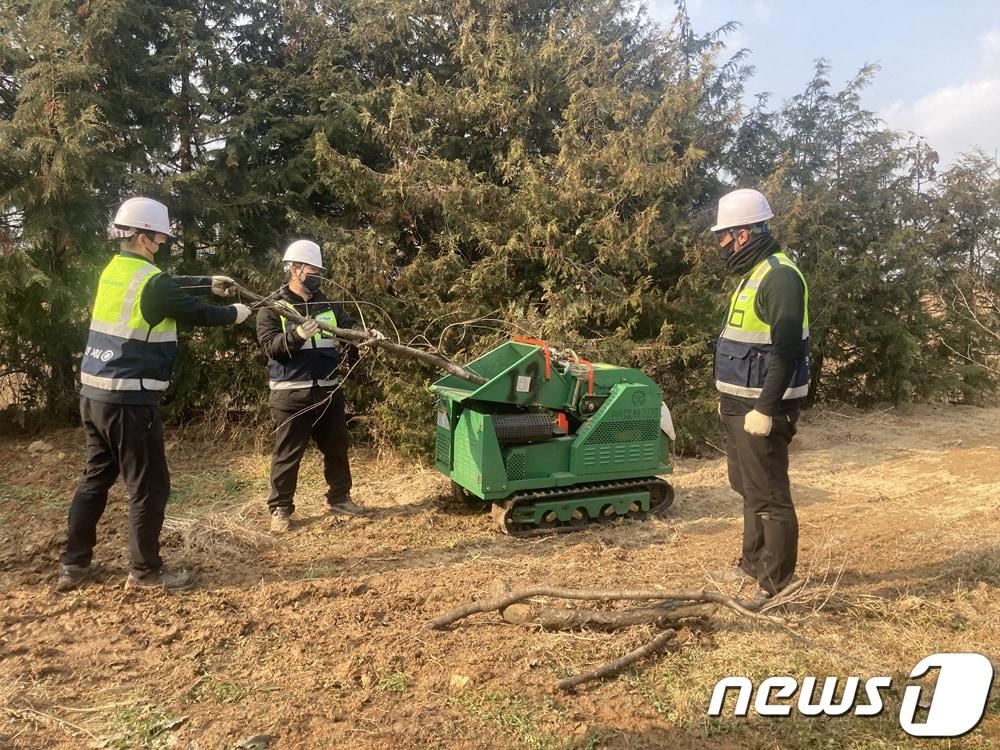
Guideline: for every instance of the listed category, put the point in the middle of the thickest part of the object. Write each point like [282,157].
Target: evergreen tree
[474,169]
[79,114]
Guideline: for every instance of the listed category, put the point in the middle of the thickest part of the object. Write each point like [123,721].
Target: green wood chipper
[553,441]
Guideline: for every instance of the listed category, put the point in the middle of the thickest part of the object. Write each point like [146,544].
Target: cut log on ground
[690,597]
[554,618]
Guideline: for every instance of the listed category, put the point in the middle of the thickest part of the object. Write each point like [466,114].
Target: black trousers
[127,440]
[325,424]
[758,471]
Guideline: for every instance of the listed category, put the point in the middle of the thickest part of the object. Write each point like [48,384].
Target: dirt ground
[317,638]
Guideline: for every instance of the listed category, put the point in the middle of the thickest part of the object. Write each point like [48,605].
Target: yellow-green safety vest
[744,348]
[125,353]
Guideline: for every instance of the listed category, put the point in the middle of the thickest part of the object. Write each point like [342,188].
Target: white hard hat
[742,208]
[304,251]
[143,213]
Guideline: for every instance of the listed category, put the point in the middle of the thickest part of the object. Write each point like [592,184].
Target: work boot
[71,576]
[735,574]
[344,507]
[281,520]
[160,579]
[766,600]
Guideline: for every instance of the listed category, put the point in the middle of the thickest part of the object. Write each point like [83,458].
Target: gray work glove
[373,334]
[307,329]
[757,424]
[242,312]
[222,286]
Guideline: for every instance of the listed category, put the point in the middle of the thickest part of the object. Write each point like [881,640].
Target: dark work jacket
[289,355]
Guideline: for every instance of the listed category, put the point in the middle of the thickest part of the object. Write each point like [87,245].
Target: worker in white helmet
[762,375]
[307,402]
[126,366]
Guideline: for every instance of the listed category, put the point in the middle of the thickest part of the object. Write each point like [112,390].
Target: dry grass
[224,535]
[318,637]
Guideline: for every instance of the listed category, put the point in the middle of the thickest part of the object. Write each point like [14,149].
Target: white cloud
[990,45]
[961,117]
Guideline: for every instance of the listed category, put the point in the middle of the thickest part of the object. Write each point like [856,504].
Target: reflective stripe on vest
[744,348]
[123,352]
[292,385]
[299,372]
[123,384]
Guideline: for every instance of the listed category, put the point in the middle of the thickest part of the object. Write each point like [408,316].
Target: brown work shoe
[281,520]
[344,507]
[160,579]
[71,576]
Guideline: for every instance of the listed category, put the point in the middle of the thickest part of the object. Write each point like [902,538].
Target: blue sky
[940,61]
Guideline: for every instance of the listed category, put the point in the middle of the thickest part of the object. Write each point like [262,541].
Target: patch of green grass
[198,493]
[146,727]
[16,493]
[18,464]
[21,500]
[320,570]
[519,717]
[674,691]
[220,691]
[592,740]
[848,732]
[813,733]
[397,682]
[666,688]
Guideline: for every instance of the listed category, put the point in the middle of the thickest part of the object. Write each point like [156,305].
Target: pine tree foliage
[474,169]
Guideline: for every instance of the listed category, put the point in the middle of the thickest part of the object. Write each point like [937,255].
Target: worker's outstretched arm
[163,298]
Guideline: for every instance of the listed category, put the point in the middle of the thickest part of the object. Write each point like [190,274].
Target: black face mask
[313,282]
[162,254]
[725,251]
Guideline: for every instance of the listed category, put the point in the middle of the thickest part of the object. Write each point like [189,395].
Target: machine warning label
[523,384]
[443,419]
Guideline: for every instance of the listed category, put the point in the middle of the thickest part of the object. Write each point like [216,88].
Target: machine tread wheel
[661,497]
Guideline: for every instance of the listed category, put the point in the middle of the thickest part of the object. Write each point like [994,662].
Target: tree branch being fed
[362,337]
